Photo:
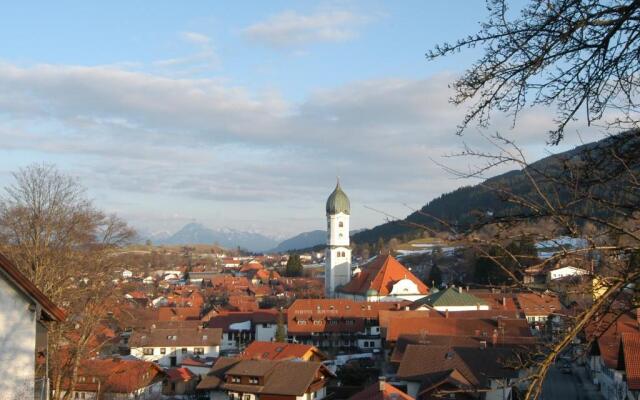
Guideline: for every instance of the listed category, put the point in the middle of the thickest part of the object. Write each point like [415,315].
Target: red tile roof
[380,275]
[278,351]
[631,354]
[28,288]
[115,375]
[251,266]
[178,313]
[511,330]
[180,375]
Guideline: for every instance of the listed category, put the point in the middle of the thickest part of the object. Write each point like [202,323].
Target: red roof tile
[180,375]
[631,353]
[278,351]
[380,275]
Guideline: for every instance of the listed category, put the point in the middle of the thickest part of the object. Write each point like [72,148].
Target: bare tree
[579,55]
[55,235]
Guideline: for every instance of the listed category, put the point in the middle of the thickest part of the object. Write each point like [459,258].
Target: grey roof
[338,202]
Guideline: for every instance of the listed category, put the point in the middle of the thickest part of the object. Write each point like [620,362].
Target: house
[337,324]
[117,378]
[24,315]
[381,390]
[266,379]
[608,361]
[169,347]
[241,328]
[453,299]
[179,382]
[537,308]
[485,371]
[383,279]
[282,351]
[198,365]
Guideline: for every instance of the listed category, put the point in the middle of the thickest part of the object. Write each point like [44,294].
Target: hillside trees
[579,57]
[58,239]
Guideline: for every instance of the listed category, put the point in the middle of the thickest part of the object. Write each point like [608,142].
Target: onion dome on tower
[338,202]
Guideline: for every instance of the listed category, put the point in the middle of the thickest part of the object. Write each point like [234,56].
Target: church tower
[337,267]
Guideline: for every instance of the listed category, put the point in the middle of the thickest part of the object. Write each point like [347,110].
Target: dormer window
[253,380]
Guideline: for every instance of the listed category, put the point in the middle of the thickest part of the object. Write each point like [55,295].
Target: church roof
[338,202]
[451,297]
[379,276]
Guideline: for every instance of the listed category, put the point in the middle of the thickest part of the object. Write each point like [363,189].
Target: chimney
[446,313]
[494,337]
[459,289]
[467,288]
[382,381]
[504,302]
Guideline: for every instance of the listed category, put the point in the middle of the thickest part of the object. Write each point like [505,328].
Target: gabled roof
[180,374]
[286,378]
[452,297]
[258,350]
[8,269]
[381,391]
[380,275]
[474,364]
[115,375]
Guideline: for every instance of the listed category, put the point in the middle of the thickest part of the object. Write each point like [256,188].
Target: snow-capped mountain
[194,233]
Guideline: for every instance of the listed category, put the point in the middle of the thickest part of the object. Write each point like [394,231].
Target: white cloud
[209,147]
[204,58]
[291,29]
[195,37]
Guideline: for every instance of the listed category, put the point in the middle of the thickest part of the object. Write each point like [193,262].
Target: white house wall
[17,343]
[165,359]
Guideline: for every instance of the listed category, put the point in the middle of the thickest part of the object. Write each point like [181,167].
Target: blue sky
[241,114]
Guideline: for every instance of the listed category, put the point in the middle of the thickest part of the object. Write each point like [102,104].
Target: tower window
[340,224]
[340,235]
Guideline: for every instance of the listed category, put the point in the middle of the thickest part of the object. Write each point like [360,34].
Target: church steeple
[338,254]
[338,202]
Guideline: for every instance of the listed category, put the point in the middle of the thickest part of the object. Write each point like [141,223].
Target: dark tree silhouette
[580,56]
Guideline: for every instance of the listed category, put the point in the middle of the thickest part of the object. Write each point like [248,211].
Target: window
[302,322]
[163,350]
[235,379]
[253,381]
[246,397]
[340,225]
[184,350]
[147,351]
[198,350]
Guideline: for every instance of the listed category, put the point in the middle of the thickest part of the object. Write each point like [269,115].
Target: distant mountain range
[301,241]
[194,233]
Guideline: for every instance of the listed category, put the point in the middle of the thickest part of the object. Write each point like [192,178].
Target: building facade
[337,270]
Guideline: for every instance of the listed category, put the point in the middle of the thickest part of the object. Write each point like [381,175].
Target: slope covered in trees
[466,206]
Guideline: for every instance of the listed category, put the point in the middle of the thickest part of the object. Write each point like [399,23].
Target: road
[574,386]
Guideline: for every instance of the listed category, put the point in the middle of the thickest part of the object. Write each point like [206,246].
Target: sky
[242,114]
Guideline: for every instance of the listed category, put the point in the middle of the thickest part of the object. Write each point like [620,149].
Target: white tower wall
[338,254]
